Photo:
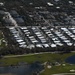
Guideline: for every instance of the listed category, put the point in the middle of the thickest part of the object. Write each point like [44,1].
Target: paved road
[11,56]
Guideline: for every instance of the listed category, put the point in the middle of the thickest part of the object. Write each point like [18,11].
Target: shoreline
[31,58]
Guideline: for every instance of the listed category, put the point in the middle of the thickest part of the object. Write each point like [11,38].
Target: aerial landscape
[37,37]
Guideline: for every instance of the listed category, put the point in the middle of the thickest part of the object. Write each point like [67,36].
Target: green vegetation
[46,57]
[32,58]
[2,40]
[58,69]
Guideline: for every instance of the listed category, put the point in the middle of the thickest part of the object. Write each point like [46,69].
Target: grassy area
[42,58]
[58,69]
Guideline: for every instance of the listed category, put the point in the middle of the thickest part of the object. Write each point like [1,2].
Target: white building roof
[53,45]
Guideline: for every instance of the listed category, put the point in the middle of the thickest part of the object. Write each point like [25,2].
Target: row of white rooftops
[63,38]
[54,38]
[17,37]
[33,39]
[70,34]
[39,35]
[43,38]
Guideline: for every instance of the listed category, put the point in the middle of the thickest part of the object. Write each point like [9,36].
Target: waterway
[70,60]
[22,69]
